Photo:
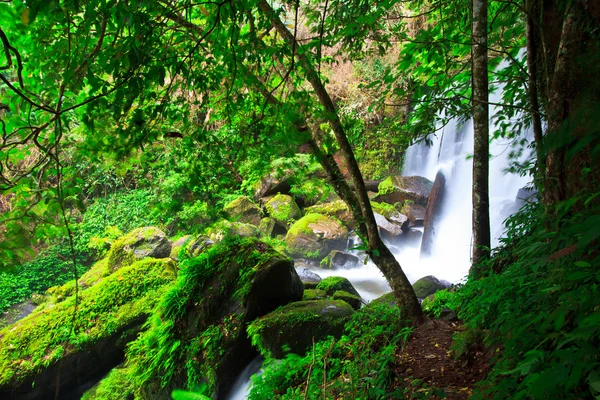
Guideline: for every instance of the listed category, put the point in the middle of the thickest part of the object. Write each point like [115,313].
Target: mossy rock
[283,209]
[203,316]
[354,301]
[334,283]
[293,327]
[243,210]
[136,245]
[179,245]
[109,314]
[314,294]
[336,209]
[270,228]
[427,285]
[396,189]
[224,228]
[391,213]
[315,235]
[339,259]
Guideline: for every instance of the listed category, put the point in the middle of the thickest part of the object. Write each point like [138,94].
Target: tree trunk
[481,202]
[377,250]
[532,8]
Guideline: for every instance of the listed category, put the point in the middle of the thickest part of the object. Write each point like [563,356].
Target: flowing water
[449,152]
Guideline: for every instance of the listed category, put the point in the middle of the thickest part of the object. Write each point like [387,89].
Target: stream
[450,257]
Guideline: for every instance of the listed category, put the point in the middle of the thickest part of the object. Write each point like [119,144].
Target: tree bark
[481,203]
[532,8]
[377,250]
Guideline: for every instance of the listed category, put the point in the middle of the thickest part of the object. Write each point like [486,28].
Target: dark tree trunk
[377,250]
[481,202]
[532,8]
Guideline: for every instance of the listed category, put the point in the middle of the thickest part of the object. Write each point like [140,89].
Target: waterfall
[241,387]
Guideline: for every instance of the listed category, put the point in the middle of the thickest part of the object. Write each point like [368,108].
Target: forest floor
[429,369]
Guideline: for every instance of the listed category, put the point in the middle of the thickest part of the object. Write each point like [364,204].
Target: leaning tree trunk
[377,250]
[481,202]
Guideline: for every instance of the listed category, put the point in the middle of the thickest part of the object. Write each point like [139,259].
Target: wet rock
[314,236]
[338,259]
[432,214]
[415,214]
[309,279]
[387,230]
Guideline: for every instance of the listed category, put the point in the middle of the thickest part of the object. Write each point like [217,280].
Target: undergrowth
[542,308]
[355,366]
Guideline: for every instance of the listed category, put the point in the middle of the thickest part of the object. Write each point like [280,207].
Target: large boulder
[391,214]
[275,182]
[336,209]
[387,230]
[432,214]
[296,325]
[283,209]
[199,332]
[398,189]
[243,210]
[415,214]
[309,279]
[136,245]
[50,352]
[314,236]
[428,285]
[338,259]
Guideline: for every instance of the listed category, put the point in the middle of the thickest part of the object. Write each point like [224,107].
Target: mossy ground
[46,335]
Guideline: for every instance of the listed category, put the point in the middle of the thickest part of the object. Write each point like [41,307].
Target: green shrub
[543,308]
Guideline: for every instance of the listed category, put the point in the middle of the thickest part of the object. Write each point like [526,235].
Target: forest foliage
[116,115]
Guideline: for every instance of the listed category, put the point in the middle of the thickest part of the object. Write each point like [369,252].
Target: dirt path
[428,367]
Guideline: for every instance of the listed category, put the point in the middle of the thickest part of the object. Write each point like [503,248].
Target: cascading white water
[449,151]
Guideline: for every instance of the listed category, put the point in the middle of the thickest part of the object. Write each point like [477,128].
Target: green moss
[332,209]
[283,209]
[334,283]
[120,254]
[45,336]
[354,301]
[296,324]
[311,191]
[117,381]
[187,337]
[243,210]
[387,186]
[383,208]
[426,286]
[314,294]
[302,225]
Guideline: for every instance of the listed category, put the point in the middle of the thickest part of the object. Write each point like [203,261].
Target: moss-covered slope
[55,341]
